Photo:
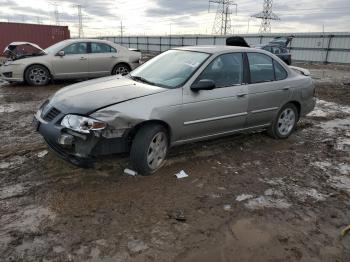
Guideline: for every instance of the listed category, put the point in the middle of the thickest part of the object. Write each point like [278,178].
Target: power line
[222,24]
[266,16]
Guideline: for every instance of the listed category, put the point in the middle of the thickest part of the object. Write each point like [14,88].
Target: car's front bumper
[12,73]
[75,147]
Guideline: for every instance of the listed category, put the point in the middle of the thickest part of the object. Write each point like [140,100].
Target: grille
[51,114]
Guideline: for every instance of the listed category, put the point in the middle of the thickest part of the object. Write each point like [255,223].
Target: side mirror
[61,53]
[204,84]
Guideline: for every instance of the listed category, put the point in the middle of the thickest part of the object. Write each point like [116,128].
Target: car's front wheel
[37,75]
[149,149]
[285,122]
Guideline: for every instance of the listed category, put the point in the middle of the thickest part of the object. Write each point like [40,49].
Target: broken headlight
[82,124]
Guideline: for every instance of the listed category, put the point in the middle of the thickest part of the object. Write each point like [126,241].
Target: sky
[164,17]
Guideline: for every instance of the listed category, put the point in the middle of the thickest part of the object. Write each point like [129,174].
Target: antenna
[222,24]
[266,15]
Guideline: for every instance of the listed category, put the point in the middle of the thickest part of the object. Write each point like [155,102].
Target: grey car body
[188,113]
[69,59]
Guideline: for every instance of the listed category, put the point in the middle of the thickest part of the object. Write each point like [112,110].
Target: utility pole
[266,16]
[121,28]
[80,21]
[56,13]
[222,24]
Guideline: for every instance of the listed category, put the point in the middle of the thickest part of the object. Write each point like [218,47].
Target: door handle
[242,95]
[83,58]
[113,56]
[286,88]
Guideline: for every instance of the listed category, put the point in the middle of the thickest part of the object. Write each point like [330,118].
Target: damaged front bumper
[77,148]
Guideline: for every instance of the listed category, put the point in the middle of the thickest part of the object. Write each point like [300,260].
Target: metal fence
[308,47]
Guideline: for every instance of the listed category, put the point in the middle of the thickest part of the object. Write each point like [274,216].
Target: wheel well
[122,63]
[25,70]
[150,122]
[297,105]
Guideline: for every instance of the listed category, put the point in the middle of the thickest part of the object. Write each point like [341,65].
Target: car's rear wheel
[285,122]
[121,69]
[149,149]
[37,75]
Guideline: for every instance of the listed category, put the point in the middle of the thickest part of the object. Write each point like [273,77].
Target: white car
[69,59]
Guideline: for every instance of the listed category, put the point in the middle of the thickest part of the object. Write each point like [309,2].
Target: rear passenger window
[261,68]
[280,72]
[101,48]
[225,70]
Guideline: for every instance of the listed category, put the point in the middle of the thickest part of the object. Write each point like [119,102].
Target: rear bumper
[308,106]
[83,147]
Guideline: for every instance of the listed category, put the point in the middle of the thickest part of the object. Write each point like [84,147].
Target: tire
[121,69]
[37,75]
[148,139]
[285,122]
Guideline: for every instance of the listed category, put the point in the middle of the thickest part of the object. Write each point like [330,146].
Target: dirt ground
[247,198]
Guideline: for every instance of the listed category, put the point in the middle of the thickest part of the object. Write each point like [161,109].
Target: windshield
[170,69]
[56,47]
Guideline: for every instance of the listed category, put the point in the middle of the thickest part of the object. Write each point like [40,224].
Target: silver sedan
[181,96]
[69,59]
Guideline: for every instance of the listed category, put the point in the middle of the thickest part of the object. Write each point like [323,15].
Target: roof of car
[212,49]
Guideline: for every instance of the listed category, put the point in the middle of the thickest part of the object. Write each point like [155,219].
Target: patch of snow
[243,197]
[273,192]
[324,108]
[304,193]
[343,144]
[227,207]
[322,164]
[137,246]
[267,202]
[42,153]
[341,182]
[330,127]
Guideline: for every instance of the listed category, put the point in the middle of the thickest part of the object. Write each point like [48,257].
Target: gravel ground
[247,197]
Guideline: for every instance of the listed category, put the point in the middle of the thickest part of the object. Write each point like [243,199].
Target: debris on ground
[344,231]
[130,172]
[181,174]
[42,153]
[177,214]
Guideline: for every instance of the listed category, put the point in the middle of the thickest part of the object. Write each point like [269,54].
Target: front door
[220,111]
[73,64]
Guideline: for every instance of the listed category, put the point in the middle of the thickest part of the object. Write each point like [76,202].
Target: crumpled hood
[17,50]
[89,96]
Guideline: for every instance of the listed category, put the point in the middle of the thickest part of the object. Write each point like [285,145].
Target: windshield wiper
[143,80]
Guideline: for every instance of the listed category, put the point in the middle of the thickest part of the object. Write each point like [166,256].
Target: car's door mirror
[204,84]
[61,53]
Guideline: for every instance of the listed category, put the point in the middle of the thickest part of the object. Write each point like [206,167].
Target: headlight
[82,124]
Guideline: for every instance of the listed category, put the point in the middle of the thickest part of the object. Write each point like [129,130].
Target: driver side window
[225,70]
[77,48]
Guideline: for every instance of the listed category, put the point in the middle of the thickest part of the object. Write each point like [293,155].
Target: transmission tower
[266,16]
[56,13]
[222,24]
[80,21]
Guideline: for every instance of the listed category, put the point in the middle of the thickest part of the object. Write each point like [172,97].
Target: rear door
[74,63]
[102,59]
[219,111]
[268,90]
